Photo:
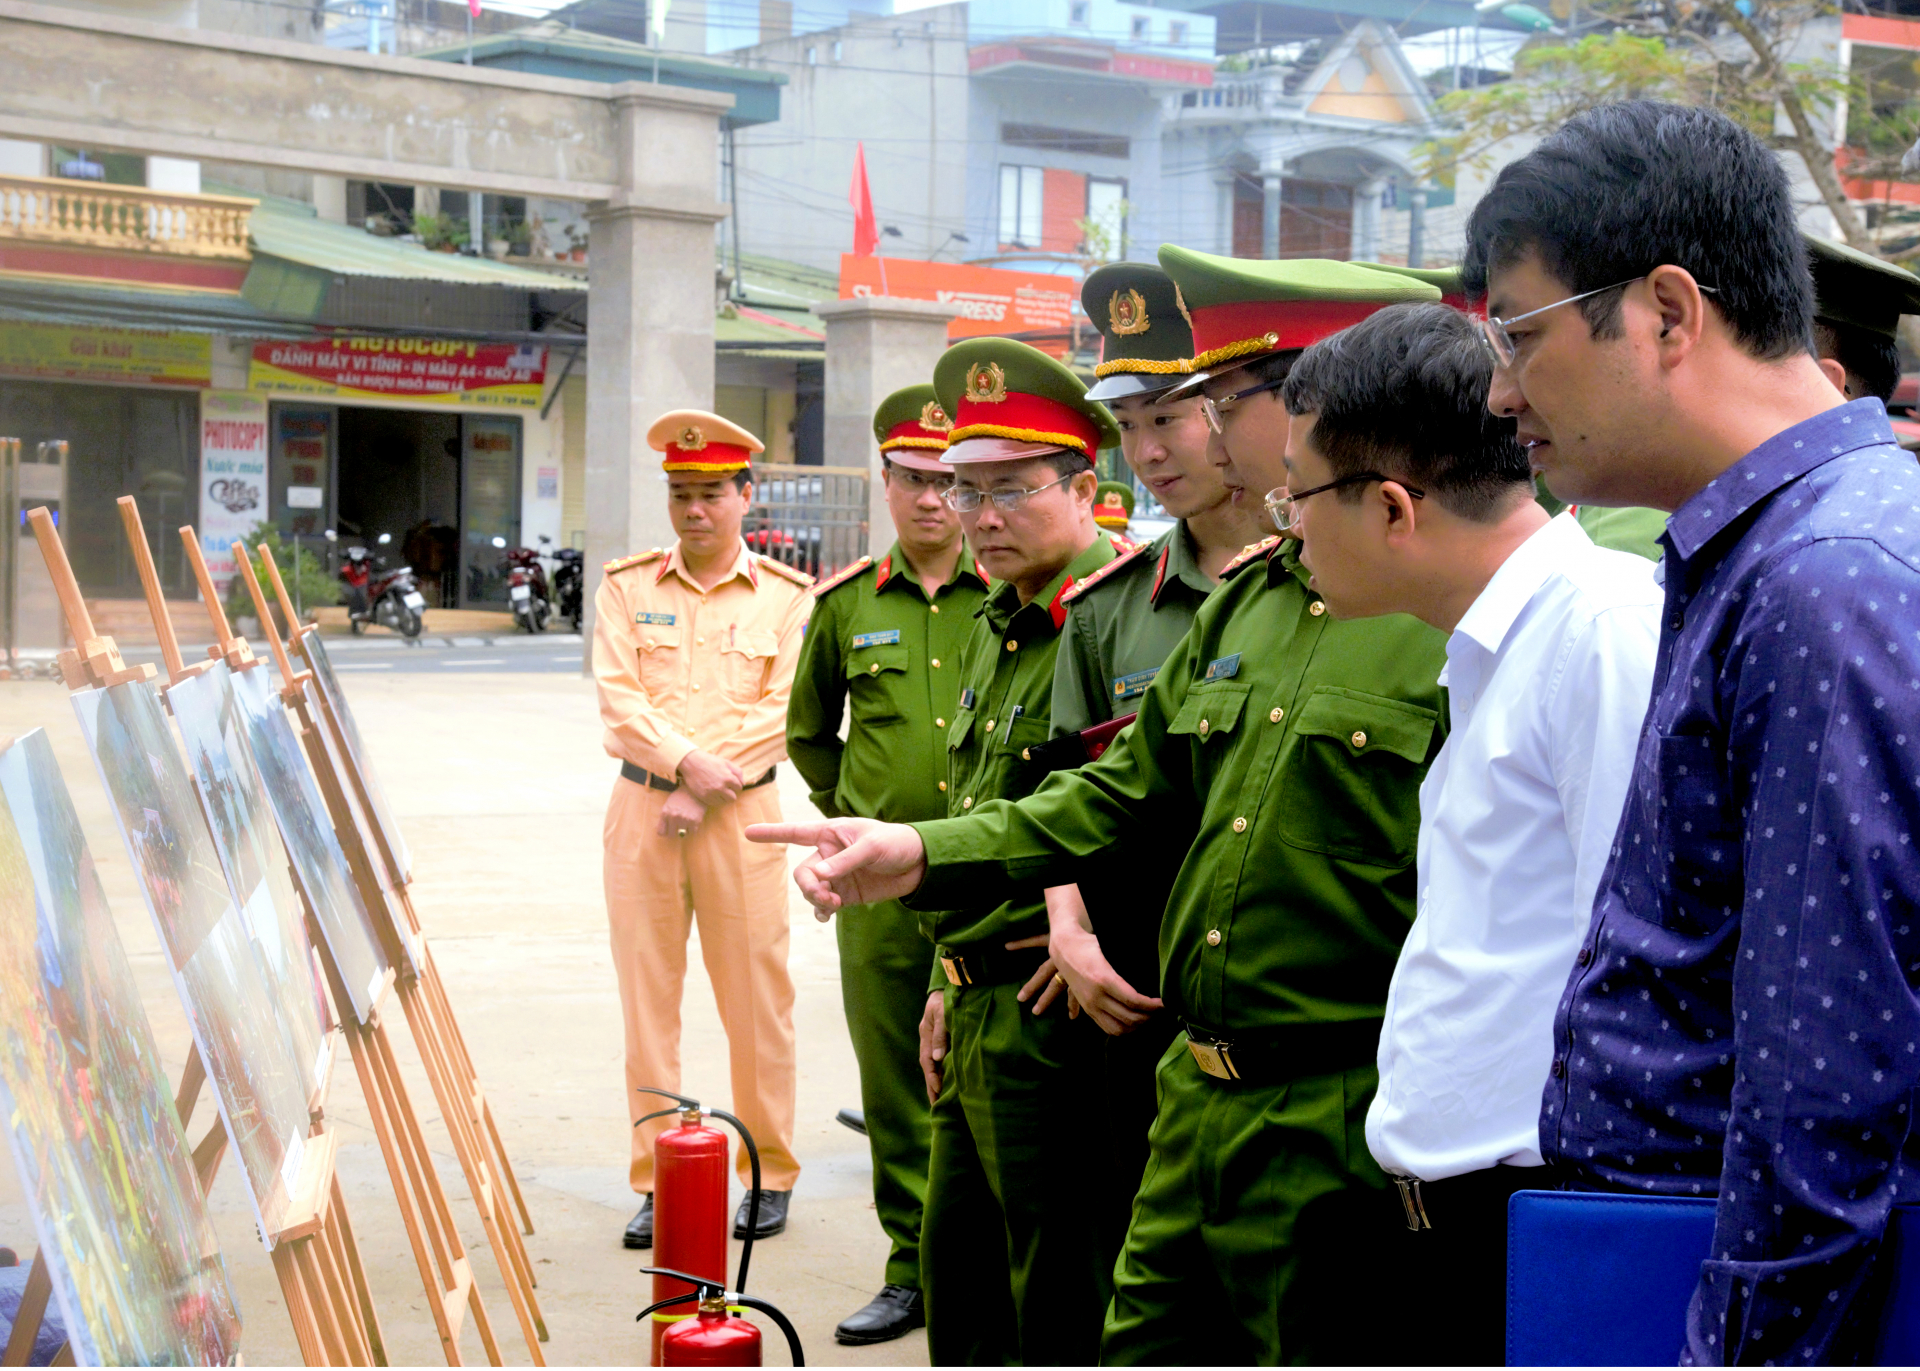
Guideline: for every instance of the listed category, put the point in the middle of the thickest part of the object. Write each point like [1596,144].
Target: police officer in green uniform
[884,640]
[1122,623]
[1011,1267]
[1283,752]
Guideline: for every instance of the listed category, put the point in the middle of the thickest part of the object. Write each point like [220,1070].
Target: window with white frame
[1021,193]
[1106,218]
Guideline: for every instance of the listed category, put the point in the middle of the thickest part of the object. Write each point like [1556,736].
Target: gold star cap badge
[695,440]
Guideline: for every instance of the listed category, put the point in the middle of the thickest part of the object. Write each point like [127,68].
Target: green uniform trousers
[883,984]
[1014,1270]
[1253,1229]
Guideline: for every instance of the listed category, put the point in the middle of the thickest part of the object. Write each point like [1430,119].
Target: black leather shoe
[640,1231]
[856,1119]
[893,1313]
[773,1214]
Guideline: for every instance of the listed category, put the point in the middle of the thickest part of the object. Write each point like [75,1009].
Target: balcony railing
[1235,96]
[127,218]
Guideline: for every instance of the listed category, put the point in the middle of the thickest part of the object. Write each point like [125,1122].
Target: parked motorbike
[569,583]
[527,592]
[378,594]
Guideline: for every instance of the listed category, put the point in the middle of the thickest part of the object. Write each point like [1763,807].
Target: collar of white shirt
[1491,617]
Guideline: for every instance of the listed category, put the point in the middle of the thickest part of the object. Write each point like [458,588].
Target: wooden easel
[454,1089]
[313,1252]
[445,1270]
[397,880]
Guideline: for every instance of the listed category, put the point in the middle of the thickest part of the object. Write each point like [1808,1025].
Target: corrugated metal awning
[34,301]
[348,251]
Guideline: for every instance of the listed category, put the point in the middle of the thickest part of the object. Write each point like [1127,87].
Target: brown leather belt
[641,776]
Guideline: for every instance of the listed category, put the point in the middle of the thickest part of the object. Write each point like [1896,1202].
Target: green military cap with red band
[1240,309]
[911,427]
[1010,402]
[1446,280]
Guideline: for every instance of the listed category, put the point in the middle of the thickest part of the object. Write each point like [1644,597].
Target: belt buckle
[1215,1058]
[956,969]
[1411,1201]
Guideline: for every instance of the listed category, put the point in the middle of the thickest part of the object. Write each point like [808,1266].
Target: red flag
[866,229]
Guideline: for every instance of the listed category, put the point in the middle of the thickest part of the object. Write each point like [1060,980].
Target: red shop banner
[991,301]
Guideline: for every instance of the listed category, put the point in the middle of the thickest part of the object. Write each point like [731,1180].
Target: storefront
[443,444]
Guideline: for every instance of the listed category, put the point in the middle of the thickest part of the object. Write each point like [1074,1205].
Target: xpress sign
[991,300]
[423,370]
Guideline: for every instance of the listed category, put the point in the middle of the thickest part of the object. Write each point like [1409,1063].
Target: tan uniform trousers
[738,891]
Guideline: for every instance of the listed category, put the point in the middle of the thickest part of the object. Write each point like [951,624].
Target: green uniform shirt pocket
[958,730]
[876,683]
[1016,739]
[1211,710]
[1353,789]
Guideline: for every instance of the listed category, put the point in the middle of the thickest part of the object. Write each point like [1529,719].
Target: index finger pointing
[803,835]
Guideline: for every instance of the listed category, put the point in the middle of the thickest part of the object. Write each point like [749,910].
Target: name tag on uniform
[648,617]
[1220,668]
[1134,683]
[880,639]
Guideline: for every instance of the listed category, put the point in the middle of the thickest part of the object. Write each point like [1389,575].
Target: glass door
[489,506]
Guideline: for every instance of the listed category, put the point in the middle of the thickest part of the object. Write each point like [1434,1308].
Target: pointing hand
[855,861]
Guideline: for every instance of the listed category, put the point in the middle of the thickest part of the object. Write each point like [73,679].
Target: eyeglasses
[966,499]
[937,482]
[1213,408]
[1500,344]
[1283,506]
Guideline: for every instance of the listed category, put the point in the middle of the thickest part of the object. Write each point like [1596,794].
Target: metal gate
[812,518]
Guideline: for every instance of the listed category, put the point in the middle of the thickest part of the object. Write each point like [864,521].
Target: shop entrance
[443,485]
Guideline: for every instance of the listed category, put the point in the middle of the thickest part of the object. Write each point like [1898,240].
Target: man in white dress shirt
[1409,497]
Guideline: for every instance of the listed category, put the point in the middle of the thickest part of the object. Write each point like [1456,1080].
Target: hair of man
[1404,393]
[1065,462]
[1624,188]
[1871,360]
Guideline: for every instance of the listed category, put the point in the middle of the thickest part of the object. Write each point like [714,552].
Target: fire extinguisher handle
[662,1304]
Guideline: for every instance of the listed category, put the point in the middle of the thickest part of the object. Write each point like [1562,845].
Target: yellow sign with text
[63,352]
[423,370]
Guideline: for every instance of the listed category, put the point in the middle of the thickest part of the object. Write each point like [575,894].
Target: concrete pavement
[499,783]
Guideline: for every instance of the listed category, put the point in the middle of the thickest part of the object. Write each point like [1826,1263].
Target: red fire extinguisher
[690,1234]
[716,1336]
[689,1212]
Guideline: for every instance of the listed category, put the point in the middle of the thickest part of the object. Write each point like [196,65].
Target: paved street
[498,779]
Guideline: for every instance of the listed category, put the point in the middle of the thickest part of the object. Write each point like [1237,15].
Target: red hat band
[712,456]
[1245,327]
[913,433]
[1028,418]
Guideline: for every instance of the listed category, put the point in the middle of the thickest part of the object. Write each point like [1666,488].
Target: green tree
[306,576]
[1732,55]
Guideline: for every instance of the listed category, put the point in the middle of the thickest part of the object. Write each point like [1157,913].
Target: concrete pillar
[330,199]
[651,300]
[1366,220]
[875,346]
[1270,213]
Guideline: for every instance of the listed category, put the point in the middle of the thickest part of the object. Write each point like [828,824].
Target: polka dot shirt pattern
[1742,1019]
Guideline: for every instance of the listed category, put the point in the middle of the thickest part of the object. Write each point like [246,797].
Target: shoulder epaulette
[1095,577]
[794,574]
[842,576]
[631,559]
[1124,544]
[1250,554]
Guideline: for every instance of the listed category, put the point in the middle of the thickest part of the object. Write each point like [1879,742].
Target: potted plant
[497,242]
[440,232]
[576,243]
[520,239]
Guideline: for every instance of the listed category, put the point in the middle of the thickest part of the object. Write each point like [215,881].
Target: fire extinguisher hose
[732,1297]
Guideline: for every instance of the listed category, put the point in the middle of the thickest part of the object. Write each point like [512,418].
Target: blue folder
[1605,1280]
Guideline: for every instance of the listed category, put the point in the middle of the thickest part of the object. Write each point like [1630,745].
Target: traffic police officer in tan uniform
[694,649]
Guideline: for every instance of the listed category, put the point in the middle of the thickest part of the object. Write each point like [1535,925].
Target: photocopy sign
[439,371]
[233,476]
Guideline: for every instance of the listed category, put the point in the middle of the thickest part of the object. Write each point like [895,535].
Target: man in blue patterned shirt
[1741,1021]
